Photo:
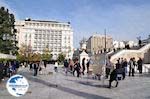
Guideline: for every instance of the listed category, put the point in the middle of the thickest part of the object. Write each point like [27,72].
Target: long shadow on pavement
[144,75]
[147,97]
[65,89]
[89,84]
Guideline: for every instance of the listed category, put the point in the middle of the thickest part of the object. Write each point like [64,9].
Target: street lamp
[105,40]
[105,59]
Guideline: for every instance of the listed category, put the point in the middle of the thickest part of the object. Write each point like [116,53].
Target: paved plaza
[68,87]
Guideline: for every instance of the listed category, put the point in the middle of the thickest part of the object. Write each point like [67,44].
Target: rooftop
[99,35]
[45,21]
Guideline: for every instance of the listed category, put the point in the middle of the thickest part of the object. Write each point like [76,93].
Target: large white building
[58,36]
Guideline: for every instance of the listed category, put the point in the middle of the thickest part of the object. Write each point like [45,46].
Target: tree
[7,32]
[46,56]
[35,57]
[61,57]
[21,57]
[25,53]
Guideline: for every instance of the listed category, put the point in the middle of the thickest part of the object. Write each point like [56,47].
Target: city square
[69,87]
[74,49]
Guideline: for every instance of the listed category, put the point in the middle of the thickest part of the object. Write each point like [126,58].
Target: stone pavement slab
[69,87]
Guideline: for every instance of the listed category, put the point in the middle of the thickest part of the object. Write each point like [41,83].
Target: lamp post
[105,40]
[105,59]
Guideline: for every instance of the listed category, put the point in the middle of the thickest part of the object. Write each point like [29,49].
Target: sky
[122,19]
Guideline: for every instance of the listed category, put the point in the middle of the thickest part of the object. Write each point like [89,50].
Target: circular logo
[17,85]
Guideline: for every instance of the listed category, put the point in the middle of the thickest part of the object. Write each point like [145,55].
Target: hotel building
[57,36]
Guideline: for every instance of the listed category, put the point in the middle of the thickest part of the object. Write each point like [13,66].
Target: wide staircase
[143,52]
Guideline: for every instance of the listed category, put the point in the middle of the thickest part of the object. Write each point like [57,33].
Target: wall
[147,57]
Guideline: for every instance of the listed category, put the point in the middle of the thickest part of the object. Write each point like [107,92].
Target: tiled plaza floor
[69,87]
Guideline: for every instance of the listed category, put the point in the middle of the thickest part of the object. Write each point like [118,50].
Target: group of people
[119,70]
[37,67]
[75,66]
[8,68]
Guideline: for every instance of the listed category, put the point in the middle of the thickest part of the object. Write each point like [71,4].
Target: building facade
[97,43]
[118,44]
[57,36]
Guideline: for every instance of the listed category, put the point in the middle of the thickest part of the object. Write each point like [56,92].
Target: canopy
[7,56]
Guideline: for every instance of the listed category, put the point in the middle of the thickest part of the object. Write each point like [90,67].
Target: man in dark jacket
[1,71]
[83,65]
[87,65]
[140,63]
[35,66]
[77,67]
[125,65]
[66,64]
[113,77]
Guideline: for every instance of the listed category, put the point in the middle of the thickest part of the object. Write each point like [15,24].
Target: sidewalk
[69,87]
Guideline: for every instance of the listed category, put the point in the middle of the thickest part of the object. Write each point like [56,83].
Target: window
[37,24]
[60,25]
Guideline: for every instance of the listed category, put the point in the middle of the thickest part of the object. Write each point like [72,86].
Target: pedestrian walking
[119,69]
[1,71]
[131,67]
[124,66]
[87,65]
[71,65]
[83,65]
[35,67]
[45,64]
[56,67]
[31,66]
[108,67]
[14,67]
[140,63]
[77,67]
[113,77]
[66,65]
[17,66]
